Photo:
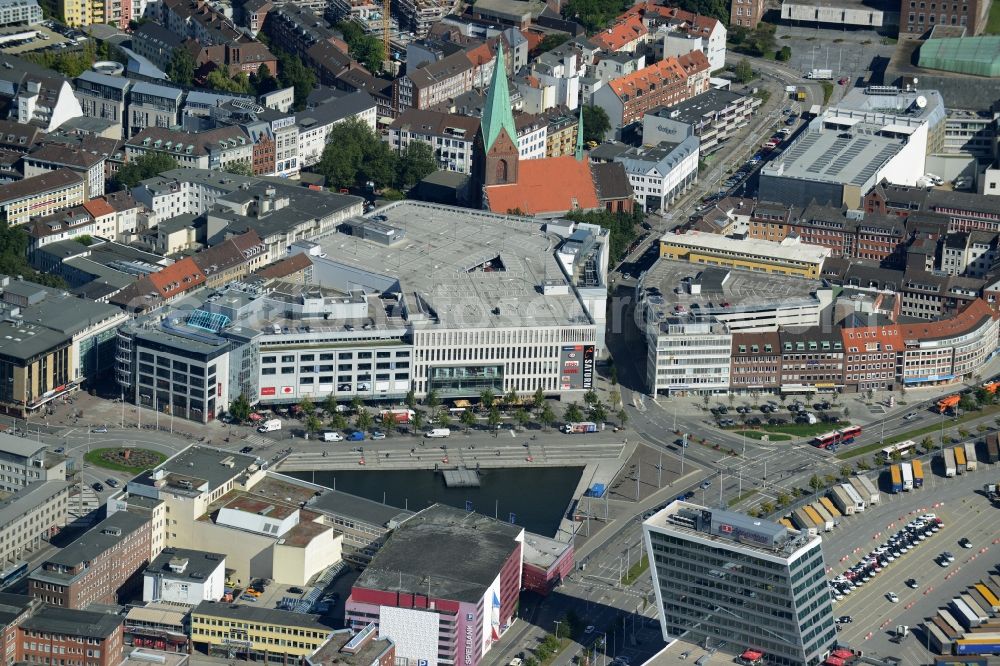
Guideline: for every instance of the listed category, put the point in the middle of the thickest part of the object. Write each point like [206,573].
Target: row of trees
[756,42]
[355,155]
[145,166]
[623,228]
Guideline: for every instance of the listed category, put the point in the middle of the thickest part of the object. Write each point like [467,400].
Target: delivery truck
[907,476]
[859,503]
[842,500]
[873,493]
[949,462]
[269,425]
[830,507]
[817,519]
[959,459]
[400,416]
[438,432]
[801,94]
[820,74]
[579,428]
[896,478]
[918,473]
[970,456]
[828,520]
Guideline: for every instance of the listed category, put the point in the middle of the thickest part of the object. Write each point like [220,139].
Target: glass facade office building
[725,580]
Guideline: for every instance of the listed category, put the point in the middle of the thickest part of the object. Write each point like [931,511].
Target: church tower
[497,156]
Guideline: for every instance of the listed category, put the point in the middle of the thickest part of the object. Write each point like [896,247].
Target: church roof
[498,113]
[536,192]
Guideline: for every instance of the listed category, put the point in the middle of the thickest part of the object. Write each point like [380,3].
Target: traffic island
[124,459]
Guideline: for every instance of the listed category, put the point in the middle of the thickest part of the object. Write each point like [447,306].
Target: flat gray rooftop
[741,289]
[336,502]
[851,155]
[442,256]
[443,552]
[201,462]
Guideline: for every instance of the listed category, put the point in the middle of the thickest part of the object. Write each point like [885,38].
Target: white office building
[687,354]
[182,576]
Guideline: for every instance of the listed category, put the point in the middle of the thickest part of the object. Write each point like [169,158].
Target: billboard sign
[576,367]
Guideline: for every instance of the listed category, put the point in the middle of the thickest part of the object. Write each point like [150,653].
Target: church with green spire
[497,156]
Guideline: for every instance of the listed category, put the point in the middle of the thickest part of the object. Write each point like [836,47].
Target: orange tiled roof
[537,192]
[697,23]
[693,62]
[480,55]
[177,278]
[667,70]
[626,30]
[860,336]
[961,323]
[98,208]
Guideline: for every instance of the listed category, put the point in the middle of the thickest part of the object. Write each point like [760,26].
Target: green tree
[240,408]
[338,421]
[783,498]
[615,397]
[444,418]
[551,41]
[330,404]
[181,67]
[521,417]
[743,71]
[622,417]
[292,73]
[594,15]
[356,404]
[596,123]
[572,412]
[218,79]
[494,417]
[364,420]
[145,166]
[829,479]
[411,399]
[983,396]
[623,228]
[815,482]
[598,412]
[967,403]
[432,400]
[590,397]
[388,422]
[263,82]
[307,406]
[239,168]
[486,399]
[366,49]
[414,164]
[468,418]
[313,423]
[547,417]
[845,472]
[538,400]
[766,507]
[784,54]
[354,154]
[511,399]
[895,456]
[417,420]
[927,443]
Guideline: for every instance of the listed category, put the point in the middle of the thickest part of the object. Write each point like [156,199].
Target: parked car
[114,483]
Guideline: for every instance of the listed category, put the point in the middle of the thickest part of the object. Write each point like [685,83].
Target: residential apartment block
[451,136]
[41,195]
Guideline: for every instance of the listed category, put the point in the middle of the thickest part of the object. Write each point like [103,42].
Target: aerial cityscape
[500,332]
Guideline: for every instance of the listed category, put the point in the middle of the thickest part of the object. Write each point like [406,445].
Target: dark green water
[538,497]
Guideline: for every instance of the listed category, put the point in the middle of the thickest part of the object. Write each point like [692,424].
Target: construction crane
[386,8]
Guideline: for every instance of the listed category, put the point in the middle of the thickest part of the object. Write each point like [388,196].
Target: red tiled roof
[962,323]
[286,267]
[98,208]
[697,23]
[644,79]
[861,336]
[538,192]
[626,30]
[177,278]
[693,62]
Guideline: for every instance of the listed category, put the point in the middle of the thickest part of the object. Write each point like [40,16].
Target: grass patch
[737,500]
[803,429]
[993,21]
[764,95]
[110,458]
[827,91]
[915,434]
[635,571]
[759,434]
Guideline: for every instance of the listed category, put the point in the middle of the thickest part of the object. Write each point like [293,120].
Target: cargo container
[949,618]
[918,473]
[824,514]
[787,523]
[802,520]
[873,493]
[830,507]
[859,502]
[970,456]
[939,642]
[980,600]
[949,631]
[973,644]
[817,519]
[992,448]
[989,596]
[843,501]
[948,456]
[907,476]
[964,614]
[896,479]
[959,459]
[978,610]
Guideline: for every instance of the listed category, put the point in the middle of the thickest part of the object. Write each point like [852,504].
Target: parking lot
[15,40]
[849,53]
[965,514]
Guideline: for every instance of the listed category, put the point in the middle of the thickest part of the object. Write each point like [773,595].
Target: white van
[331,436]
[438,432]
[269,425]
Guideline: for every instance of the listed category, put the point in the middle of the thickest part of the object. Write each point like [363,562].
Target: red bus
[842,436]
[848,434]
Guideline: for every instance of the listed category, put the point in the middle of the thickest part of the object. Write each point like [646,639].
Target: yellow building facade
[785,258]
[241,630]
